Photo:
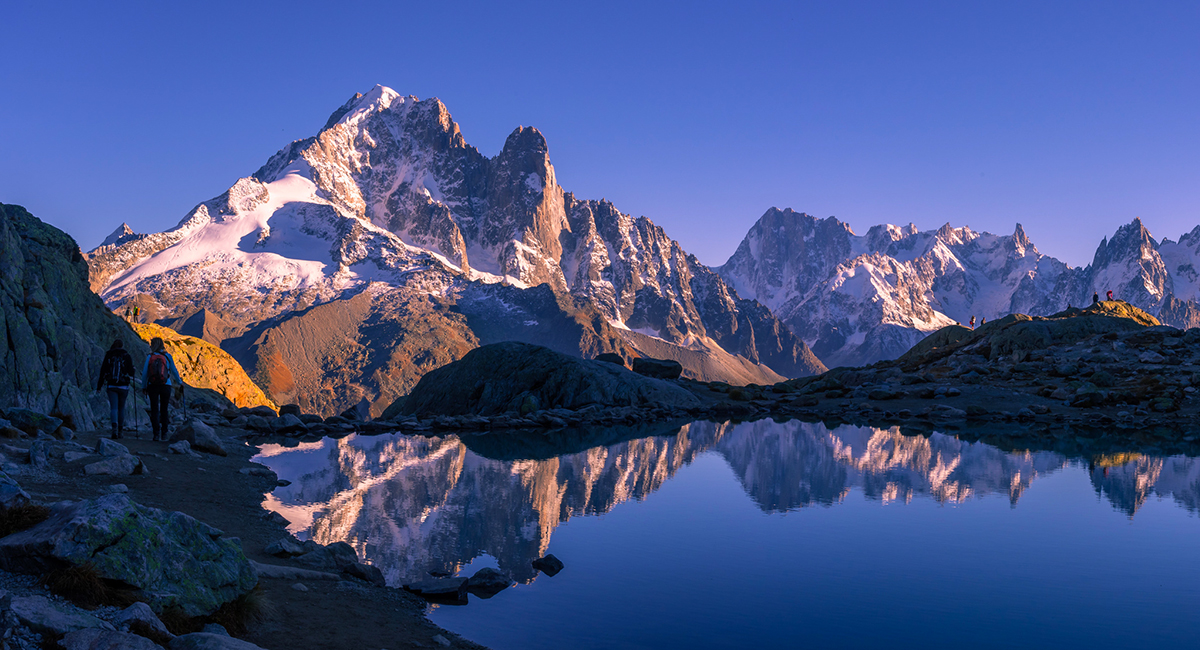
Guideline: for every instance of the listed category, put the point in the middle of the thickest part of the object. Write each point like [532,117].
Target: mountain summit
[356,260]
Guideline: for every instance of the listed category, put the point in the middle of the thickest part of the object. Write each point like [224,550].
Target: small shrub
[238,614]
[179,623]
[84,585]
[81,584]
[22,517]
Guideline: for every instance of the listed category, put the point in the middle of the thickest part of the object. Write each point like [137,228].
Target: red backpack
[157,373]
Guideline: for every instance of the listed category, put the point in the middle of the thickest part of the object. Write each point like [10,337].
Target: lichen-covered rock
[57,328]
[170,557]
[505,377]
[204,365]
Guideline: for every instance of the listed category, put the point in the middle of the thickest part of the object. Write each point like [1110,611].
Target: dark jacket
[106,369]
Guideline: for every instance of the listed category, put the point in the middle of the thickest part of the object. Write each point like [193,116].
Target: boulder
[207,641]
[262,411]
[39,454]
[285,547]
[11,493]
[440,588]
[44,615]
[657,368]
[254,422]
[290,409]
[171,558]
[335,557]
[98,639]
[548,565]
[200,436]
[1150,356]
[289,423]
[611,357]
[183,447]
[519,377]
[107,447]
[488,582]
[366,572]
[140,615]
[115,466]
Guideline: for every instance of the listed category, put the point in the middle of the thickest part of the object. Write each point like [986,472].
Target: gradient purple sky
[1069,117]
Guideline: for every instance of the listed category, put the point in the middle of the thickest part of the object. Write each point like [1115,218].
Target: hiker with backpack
[116,371]
[159,376]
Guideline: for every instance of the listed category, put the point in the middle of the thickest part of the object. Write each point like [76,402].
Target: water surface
[768,534]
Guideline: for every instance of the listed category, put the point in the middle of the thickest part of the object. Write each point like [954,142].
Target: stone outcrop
[169,557]
[520,378]
[204,365]
[56,329]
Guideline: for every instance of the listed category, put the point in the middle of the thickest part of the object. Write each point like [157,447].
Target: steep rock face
[858,299]
[389,196]
[57,330]
[204,365]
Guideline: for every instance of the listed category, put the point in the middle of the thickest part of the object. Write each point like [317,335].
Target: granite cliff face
[389,200]
[204,365]
[856,299]
[56,329]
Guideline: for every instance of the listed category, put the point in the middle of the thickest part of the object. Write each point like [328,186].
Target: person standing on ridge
[972,322]
[116,371]
[159,375]
[1095,298]
[1109,298]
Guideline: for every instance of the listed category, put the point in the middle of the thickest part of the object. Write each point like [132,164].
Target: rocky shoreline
[286,599]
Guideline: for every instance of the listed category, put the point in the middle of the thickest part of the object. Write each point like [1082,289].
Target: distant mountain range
[356,260]
[856,299]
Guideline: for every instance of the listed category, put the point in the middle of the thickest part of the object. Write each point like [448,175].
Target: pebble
[299,586]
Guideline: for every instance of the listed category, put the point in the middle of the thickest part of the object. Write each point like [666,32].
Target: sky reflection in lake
[770,534]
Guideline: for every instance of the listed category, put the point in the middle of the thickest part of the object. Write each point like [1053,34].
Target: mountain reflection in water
[412,504]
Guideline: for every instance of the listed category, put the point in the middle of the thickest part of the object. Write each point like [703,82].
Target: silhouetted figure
[982,320]
[972,322]
[1095,298]
[159,375]
[1109,295]
[116,371]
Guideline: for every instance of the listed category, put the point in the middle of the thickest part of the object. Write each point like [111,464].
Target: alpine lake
[767,534]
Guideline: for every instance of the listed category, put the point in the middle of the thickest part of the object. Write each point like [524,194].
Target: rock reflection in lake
[413,504]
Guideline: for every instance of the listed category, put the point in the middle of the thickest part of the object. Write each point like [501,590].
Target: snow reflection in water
[412,504]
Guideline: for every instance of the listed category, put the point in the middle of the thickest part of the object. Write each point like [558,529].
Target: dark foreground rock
[658,368]
[169,557]
[522,378]
[548,565]
[57,329]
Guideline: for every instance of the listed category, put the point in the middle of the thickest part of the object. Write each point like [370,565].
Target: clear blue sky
[1070,117]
